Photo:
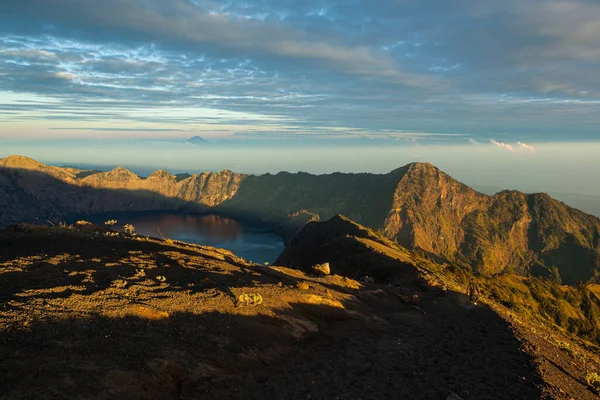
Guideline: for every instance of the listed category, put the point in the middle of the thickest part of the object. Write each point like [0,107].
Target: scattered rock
[367,279]
[453,396]
[302,285]
[410,300]
[374,294]
[161,278]
[321,269]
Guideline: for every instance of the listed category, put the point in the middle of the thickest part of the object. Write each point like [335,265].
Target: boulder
[321,269]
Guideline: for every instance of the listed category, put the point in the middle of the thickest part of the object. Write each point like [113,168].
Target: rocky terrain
[351,250]
[86,313]
[418,206]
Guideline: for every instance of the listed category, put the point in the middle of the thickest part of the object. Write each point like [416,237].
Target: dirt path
[451,349]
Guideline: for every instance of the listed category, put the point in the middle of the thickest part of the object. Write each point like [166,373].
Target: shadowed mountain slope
[351,250]
[90,315]
[558,325]
[417,205]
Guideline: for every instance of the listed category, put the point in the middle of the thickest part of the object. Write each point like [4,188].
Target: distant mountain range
[417,205]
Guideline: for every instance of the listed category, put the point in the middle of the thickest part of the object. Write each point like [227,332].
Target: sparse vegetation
[212,289]
[564,346]
[573,308]
[140,273]
[129,229]
[167,240]
[250,299]
[593,381]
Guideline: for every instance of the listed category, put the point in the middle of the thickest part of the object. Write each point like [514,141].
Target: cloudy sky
[504,70]
[515,77]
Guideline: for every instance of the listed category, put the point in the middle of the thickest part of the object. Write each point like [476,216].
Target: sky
[485,82]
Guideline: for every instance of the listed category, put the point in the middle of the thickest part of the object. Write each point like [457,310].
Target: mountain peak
[422,165]
[122,173]
[16,161]
[415,168]
[161,174]
[424,168]
[196,140]
[341,242]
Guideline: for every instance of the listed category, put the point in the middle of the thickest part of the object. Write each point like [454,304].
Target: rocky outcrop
[350,250]
[321,269]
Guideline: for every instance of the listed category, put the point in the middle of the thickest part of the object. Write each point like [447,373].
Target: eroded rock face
[510,231]
[208,189]
[31,191]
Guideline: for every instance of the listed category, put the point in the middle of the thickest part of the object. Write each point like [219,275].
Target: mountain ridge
[417,205]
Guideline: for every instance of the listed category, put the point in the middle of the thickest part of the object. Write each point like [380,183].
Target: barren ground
[86,316]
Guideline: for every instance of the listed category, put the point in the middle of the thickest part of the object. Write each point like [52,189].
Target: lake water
[253,242]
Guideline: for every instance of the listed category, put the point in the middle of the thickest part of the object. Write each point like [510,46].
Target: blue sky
[480,88]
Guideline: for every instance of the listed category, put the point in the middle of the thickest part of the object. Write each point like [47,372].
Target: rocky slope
[84,314]
[417,205]
[508,232]
[351,250]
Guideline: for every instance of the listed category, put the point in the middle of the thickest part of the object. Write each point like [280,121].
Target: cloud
[502,145]
[401,66]
[525,146]
[516,147]
[203,24]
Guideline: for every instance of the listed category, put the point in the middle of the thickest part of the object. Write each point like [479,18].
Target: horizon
[315,86]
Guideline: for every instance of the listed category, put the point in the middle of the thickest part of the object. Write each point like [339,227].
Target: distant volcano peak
[197,140]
